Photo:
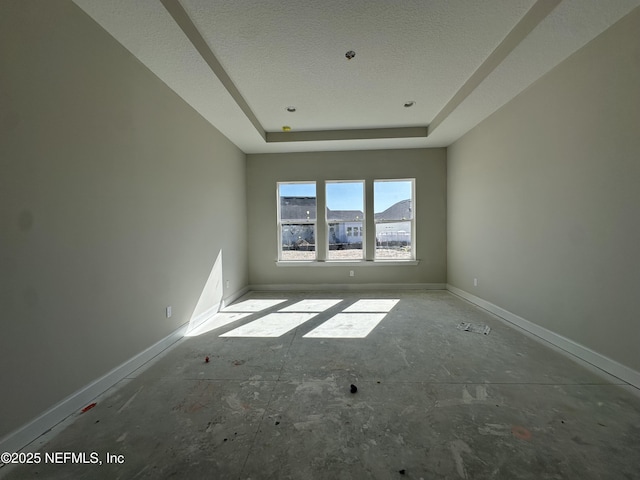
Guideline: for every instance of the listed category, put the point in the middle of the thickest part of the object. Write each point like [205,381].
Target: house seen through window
[345,221]
[297,221]
[394,219]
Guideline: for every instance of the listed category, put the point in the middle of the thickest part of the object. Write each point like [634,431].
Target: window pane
[345,241]
[297,201]
[393,241]
[393,216]
[298,241]
[345,201]
[345,217]
[392,200]
[297,209]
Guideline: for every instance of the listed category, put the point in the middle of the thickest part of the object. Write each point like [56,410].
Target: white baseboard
[204,316]
[565,345]
[210,312]
[234,296]
[334,287]
[29,432]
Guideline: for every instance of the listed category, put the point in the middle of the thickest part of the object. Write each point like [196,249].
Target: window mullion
[320,225]
[370,227]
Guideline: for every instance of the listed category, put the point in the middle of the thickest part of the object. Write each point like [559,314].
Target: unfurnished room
[266,239]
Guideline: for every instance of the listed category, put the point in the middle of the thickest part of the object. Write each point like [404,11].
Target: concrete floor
[433,402]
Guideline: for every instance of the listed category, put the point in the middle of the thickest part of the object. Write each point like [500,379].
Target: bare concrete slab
[433,402]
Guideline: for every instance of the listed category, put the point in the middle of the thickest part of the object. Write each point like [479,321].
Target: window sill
[347,263]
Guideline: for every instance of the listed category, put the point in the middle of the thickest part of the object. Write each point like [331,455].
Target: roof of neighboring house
[298,208]
[345,215]
[304,208]
[398,211]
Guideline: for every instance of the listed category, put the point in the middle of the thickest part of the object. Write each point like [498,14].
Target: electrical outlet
[228,284]
[475,282]
[352,273]
[169,313]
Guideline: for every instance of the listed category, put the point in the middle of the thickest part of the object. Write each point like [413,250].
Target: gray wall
[427,166]
[113,197]
[544,200]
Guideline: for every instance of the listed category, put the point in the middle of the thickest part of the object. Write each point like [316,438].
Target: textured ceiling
[293,53]
[459,60]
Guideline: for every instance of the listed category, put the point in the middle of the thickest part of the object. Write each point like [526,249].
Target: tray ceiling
[241,64]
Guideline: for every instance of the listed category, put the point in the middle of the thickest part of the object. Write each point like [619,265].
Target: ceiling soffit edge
[538,12]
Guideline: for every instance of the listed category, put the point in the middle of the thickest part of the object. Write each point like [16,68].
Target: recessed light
[410,103]
[286,128]
[350,54]
[290,109]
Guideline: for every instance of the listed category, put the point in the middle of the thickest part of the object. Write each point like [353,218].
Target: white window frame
[412,219]
[363,220]
[301,221]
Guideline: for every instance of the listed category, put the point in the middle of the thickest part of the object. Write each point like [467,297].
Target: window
[345,220]
[344,230]
[394,218]
[297,221]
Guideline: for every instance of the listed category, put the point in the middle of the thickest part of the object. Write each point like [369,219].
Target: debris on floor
[354,389]
[206,359]
[474,328]
[88,407]
[520,432]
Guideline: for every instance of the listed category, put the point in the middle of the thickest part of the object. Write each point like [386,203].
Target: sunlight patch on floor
[311,305]
[347,325]
[253,305]
[372,305]
[272,325]
[220,319]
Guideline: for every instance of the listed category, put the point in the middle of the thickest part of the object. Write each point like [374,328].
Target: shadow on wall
[210,297]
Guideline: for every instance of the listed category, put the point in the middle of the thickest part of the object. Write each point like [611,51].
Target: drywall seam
[569,348]
[29,432]
[333,287]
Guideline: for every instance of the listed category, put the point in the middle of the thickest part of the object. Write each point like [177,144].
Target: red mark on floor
[206,359]
[520,432]
[88,407]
